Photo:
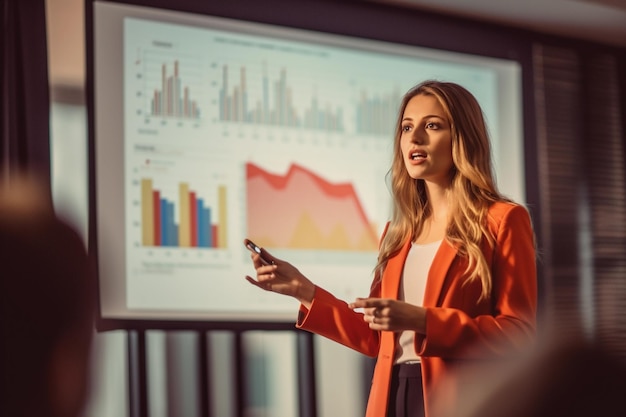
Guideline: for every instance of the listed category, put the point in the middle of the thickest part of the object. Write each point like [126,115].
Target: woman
[455,282]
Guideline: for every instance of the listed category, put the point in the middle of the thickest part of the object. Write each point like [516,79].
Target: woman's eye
[406,128]
[431,125]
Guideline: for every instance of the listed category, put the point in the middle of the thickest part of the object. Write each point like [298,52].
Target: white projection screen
[207,130]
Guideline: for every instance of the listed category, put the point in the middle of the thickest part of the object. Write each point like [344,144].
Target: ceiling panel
[602,21]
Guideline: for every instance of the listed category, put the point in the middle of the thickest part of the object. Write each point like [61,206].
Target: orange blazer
[461,332]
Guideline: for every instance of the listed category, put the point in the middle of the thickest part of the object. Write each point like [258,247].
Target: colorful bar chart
[173,99]
[196,225]
[235,105]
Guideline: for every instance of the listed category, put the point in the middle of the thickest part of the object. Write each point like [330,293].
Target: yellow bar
[147,213]
[222,235]
[184,224]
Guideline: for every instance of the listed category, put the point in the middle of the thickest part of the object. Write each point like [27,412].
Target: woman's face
[426,141]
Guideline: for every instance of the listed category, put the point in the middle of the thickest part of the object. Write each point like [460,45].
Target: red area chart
[302,210]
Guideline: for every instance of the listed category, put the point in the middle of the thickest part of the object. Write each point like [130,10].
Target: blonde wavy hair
[472,191]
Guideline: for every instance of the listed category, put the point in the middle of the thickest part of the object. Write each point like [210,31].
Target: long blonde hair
[473,188]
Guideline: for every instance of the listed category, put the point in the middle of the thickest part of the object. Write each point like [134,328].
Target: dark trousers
[406,395]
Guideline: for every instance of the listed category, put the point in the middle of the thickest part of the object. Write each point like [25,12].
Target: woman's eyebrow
[428,116]
[433,115]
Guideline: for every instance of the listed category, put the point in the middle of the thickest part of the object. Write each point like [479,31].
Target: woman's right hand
[281,277]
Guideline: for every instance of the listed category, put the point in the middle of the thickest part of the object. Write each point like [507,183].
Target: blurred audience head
[47,301]
[568,377]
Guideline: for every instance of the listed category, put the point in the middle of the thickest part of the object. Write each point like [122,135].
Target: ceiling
[601,21]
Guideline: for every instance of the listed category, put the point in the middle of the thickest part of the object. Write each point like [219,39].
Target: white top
[412,288]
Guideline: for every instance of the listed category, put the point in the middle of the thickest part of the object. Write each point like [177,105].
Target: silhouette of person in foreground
[47,301]
[569,377]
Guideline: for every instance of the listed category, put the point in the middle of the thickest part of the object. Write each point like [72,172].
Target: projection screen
[209,130]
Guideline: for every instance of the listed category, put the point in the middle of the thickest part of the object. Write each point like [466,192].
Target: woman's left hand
[391,315]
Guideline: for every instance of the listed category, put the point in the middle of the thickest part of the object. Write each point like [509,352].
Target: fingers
[369,303]
[377,319]
[370,307]
[267,258]
[264,285]
[263,266]
[258,254]
[376,311]
[253,281]
[262,260]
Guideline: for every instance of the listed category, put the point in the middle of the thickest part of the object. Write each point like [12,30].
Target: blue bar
[164,226]
[173,232]
[202,237]
[209,233]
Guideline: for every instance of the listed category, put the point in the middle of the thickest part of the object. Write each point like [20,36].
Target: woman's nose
[418,136]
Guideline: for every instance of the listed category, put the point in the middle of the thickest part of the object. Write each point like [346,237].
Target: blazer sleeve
[332,318]
[507,322]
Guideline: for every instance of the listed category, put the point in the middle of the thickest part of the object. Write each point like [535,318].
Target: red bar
[214,236]
[156,200]
[193,217]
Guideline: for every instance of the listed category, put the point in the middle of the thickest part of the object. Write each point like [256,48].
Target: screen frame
[358,19]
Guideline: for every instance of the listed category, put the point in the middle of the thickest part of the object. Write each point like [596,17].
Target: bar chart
[186,221]
[167,83]
[376,113]
[274,104]
[173,99]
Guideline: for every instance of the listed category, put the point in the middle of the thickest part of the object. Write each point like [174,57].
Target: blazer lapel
[438,271]
[393,272]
